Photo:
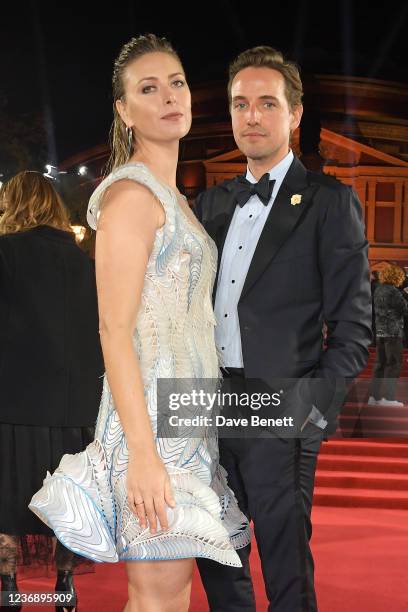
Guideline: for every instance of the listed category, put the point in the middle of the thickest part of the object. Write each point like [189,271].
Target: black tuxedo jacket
[50,354]
[310,266]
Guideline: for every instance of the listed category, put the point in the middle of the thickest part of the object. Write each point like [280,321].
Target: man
[292,256]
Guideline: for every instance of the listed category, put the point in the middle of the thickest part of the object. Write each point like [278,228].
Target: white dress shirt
[243,234]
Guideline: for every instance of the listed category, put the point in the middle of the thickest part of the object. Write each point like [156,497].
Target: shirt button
[250,216]
[226,315]
[232,281]
[240,246]
[223,348]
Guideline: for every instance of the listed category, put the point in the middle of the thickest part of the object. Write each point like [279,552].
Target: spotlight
[82,170]
[52,171]
[79,232]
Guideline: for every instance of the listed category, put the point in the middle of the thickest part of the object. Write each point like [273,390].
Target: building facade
[352,128]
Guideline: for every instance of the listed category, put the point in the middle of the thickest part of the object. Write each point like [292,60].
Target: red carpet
[363,473]
[361,566]
[360,539]
[366,464]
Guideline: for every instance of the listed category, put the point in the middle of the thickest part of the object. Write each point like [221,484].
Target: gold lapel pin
[296,199]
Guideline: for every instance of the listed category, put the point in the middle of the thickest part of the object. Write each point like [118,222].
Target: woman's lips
[173,116]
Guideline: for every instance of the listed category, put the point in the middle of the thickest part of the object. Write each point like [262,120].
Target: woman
[50,361]
[390,308]
[162,501]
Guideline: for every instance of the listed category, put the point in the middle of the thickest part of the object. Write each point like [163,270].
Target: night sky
[56,57]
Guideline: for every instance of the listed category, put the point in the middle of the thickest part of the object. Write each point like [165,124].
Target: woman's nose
[170,98]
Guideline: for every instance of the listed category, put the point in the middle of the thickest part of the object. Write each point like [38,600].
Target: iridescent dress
[84,501]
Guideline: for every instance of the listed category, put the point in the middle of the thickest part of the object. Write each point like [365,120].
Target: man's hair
[267,57]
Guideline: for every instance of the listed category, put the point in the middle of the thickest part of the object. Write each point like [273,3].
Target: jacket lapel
[225,211]
[281,221]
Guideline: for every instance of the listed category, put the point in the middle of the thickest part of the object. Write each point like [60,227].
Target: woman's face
[157,100]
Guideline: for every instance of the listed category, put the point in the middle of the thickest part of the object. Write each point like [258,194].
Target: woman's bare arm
[127,226]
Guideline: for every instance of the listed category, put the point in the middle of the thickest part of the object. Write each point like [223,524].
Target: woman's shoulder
[6,238]
[42,240]
[134,176]
[7,242]
[388,294]
[5,246]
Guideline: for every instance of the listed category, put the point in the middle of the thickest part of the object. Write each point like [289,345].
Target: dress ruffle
[77,503]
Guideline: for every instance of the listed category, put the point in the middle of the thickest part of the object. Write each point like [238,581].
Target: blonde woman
[50,362]
[154,503]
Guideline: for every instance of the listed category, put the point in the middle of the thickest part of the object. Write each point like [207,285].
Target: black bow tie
[244,189]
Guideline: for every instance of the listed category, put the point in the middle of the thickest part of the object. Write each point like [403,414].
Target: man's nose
[253,115]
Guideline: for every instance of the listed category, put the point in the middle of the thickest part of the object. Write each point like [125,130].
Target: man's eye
[240,105]
[269,104]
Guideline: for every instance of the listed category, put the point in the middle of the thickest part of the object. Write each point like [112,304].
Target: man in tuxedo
[292,257]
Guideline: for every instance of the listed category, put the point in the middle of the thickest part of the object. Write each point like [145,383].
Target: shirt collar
[276,173]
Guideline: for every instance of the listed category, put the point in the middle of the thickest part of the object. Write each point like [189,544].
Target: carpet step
[362,480]
[361,498]
[356,408]
[395,448]
[382,465]
[376,423]
[368,432]
[378,419]
[370,368]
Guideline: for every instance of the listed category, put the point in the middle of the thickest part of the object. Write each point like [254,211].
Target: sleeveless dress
[84,501]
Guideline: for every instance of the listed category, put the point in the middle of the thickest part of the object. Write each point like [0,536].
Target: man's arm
[198,206]
[347,307]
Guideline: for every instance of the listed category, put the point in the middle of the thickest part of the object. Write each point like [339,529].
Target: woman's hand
[149,489]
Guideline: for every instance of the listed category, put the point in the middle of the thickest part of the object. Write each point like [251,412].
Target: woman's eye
[147,89]
[179,83]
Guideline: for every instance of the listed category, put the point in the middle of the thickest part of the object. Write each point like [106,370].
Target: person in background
[390,309]
[50,361]
[404,294]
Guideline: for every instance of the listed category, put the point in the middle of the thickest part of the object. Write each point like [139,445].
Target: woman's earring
[129,134]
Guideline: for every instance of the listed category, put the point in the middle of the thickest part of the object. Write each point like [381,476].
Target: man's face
[262,120]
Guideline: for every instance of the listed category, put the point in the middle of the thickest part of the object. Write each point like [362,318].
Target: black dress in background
[51,366]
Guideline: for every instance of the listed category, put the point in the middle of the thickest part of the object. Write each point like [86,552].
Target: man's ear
[297,112]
